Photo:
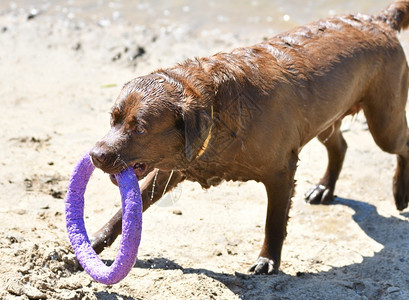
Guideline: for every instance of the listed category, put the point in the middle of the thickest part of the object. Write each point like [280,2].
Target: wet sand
[60,73]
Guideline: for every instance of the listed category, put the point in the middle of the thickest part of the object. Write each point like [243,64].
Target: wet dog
[246,115]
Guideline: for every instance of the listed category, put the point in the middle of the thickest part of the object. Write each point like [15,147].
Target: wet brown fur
[258,106]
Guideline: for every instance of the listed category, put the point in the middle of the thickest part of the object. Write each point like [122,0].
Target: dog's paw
[401,201]
[319,194]
[401,205]
[263,266]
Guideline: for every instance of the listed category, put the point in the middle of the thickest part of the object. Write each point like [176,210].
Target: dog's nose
[98,157]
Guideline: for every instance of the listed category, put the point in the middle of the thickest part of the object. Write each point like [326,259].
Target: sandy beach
[61,70]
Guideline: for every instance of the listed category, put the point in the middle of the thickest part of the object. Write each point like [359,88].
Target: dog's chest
[209,174]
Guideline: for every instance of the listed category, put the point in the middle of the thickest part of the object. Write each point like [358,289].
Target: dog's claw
[263,266]
[319,194]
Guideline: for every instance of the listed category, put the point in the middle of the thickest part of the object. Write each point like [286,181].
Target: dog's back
[330,67]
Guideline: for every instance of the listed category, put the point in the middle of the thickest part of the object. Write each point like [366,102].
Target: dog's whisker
[116,160]
[124,163]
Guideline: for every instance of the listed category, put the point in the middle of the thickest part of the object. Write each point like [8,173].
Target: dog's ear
[198,123]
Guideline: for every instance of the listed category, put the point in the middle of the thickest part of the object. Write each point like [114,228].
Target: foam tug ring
[131,224]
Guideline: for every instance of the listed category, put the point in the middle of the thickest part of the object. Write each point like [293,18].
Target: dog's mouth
[140,169]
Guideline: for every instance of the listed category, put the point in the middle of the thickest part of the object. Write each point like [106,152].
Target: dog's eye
[139,129]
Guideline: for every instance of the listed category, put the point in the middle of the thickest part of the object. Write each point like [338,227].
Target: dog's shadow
[405,214]
[371,278]
[382,229]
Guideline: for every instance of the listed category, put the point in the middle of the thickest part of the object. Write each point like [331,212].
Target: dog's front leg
[152,189]
[279,191]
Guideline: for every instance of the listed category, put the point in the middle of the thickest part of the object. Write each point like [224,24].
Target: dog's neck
[203,148]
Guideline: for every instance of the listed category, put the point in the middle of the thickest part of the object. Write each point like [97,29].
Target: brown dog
[245,115]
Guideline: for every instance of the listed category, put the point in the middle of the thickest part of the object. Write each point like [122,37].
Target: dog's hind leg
[386,117]
[336,147]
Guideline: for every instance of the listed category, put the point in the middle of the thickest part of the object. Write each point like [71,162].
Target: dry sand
[58,80]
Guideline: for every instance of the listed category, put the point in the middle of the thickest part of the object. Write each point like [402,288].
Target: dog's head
[155,123]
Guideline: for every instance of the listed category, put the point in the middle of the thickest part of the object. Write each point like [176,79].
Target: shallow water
[258,17]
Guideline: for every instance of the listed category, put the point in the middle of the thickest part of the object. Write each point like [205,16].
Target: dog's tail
[396,15]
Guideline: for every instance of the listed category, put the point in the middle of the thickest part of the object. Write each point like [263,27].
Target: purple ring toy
[131,225]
